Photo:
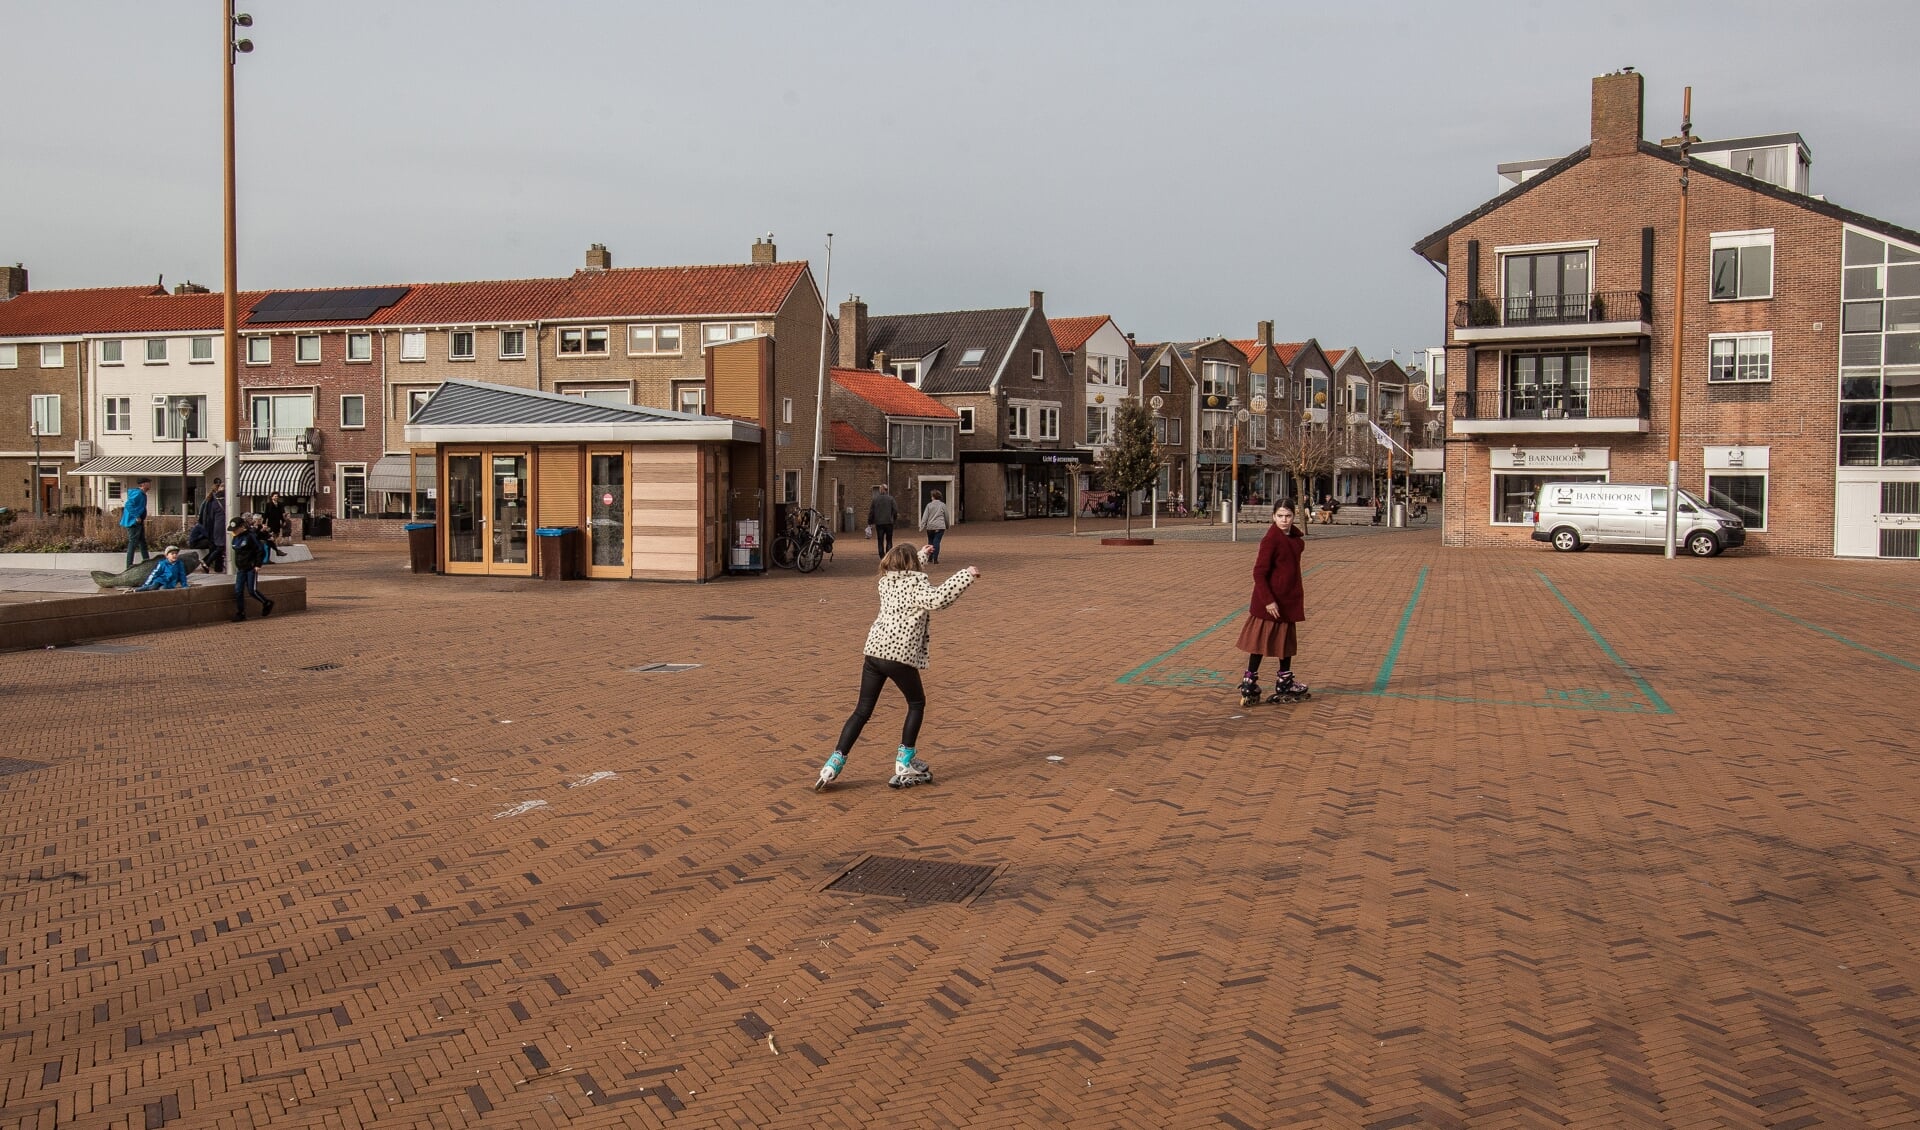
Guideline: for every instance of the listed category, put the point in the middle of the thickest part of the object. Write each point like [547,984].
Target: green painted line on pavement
[1626,707]
[1812,627]
[1400,635]
[1184,644]
[1659,704]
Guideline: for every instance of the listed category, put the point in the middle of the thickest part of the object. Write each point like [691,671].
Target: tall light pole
[231,48]
[820,399]
[1679,324]
[184,407]
[1236,414]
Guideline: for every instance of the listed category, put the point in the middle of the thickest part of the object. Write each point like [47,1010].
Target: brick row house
[887,431]
[1799,368]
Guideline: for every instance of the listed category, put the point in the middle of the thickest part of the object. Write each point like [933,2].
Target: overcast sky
[1187,166]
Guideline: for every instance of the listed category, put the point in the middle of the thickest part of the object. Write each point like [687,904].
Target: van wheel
[1703,544]
[1566,540]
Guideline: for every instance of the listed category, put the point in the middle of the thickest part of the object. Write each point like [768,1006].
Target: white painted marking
[592,778]
[520,809]
[1055,757]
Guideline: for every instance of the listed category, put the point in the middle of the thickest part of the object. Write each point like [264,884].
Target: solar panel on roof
[355,305]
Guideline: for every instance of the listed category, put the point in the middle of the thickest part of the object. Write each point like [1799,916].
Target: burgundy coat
[1276,577]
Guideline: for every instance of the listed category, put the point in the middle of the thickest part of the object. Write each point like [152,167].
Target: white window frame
[265,351]
[453,345]
[161,342]
[53,355]
[43,414]
[786,409]
[978,354]
[1019,420]
[1099,434]
[365,339]
[1721,241]
[651,332]
[193,351]
[966,420]
[1257,432]
[1211,383]
[341,473]
[926,438]
[413,345]
[1166,375]
[355,396]
[9,356]
[907,371]
[116,490]
[512,354]
[1766,492]
[1050,422]
[605,393]
[720,333]
[697,390]
[1739,358]
[300,344]
[1174,437]
[1039,364]
[581,334]
[790,487]
[113,351]
[123,413]
[167,418]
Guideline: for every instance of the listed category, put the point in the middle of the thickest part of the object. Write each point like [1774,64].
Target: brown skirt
[1268,637]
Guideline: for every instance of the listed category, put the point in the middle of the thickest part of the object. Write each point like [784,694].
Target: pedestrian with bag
[247,558]
[213,515]
[933,520]
[133,519]
[1277,607]
[881,515]
[274,515]
[896,652]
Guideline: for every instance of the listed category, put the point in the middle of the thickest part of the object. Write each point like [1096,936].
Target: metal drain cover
[322,667]
[105,648]
[727,618]
[916,880]
[662,668]
[11,765]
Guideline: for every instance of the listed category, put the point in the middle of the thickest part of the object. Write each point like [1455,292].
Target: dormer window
[971,358]
[907,371]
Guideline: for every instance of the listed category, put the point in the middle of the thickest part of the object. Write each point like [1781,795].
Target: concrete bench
[70,619]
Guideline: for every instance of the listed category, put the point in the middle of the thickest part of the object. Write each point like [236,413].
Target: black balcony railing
[1552,403]
[1554,309]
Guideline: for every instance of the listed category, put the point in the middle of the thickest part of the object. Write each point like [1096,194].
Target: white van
[1573,516]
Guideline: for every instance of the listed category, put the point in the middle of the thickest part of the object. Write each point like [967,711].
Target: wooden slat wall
[561,492]
[738,371]
[666,517]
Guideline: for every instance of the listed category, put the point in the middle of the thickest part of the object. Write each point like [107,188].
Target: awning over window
[263,478]
[127,466]
[390,474]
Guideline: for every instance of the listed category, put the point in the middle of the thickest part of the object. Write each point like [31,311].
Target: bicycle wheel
[786,550]
[809,557]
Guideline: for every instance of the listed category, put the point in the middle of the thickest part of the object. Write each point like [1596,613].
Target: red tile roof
[851,440]
[1334,355]
[116,309]
[1288,350]
[1072,333]
[1250,348]
[892,395]
[645,292]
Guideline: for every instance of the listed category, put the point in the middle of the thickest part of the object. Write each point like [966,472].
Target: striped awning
[390,474]
[127,466]
[263,478]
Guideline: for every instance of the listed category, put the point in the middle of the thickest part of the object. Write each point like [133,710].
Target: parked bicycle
[805,544]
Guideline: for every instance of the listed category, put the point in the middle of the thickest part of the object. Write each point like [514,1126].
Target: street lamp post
[231,48]
[1233,495]
[33,476]
[184,407]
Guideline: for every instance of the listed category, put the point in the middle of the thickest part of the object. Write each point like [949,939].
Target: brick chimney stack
[1265,333]
[764,251]
[879,361]
[1033,299]
[853,331]
[599,258]
[13,282]
[1617,113]
[190,287]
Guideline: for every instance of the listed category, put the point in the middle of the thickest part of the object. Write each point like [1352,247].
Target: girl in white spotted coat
[897,653]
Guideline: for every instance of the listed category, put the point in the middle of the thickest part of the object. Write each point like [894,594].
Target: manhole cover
[662,668]
[322,667]
[728,618]
[916,880]
[11,765]
[104,648]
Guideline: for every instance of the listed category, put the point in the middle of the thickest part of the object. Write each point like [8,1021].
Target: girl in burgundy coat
[1278,604]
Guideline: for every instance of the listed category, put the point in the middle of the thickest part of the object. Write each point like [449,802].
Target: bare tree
[1305,450]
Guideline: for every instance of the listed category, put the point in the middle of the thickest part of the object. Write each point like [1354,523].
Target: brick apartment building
[1800,362]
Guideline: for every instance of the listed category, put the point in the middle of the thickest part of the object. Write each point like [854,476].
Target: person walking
[933,519]
[274,514]
[1278,605]
[213,515]
[171,573]
[247,558]
[133,519]
[881,515]
[896,652]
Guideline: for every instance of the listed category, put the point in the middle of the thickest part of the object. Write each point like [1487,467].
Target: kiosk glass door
[511,516]
[607,510]
[464,515]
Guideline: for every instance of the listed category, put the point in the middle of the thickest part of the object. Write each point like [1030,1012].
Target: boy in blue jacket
[171,573]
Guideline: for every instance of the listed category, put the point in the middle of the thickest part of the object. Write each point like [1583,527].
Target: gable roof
[1425,247]
[1248,346]
[1072,333]
[733,288]
[891,395]
[1334,356]
[113,309]
[849,440]
[950,334]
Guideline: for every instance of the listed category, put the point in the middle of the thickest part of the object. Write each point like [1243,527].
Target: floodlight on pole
[231,49]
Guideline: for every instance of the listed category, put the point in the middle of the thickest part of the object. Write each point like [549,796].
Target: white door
[1855,531]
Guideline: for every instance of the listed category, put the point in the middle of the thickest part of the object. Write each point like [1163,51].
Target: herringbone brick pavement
[1599,840]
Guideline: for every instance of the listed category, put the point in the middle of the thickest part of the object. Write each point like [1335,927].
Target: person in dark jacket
[1278,604]
[881,515]
[213,515]
[133,519]
[274,515]
[247,557]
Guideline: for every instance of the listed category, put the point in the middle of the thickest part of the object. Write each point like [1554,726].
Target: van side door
[1624,516]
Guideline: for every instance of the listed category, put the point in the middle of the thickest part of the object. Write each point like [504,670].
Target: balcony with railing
[1544,409]
[1586,316]
[303,443]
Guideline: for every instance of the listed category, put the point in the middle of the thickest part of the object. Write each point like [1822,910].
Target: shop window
[1742,494]
[1514,495]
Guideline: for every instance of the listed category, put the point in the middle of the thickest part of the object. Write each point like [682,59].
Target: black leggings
[1253,663]
[874,674]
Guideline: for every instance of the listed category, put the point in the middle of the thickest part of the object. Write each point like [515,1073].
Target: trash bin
[316,526]
[562,556]
[1399,518]
[846,520]
[423,547]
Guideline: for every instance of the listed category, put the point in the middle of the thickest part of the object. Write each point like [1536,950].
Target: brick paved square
[1594,840]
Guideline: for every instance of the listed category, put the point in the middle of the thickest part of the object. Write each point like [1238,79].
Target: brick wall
[331,378]
[20,385]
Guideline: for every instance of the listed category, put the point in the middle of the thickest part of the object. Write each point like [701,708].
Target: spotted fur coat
[907,602]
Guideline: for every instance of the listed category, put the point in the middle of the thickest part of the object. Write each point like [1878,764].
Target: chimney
[853,331]
[1033,299]
[763,250]
[1265,333]
[190,287]
[13,282]
[1617,113]
[599,258]
[880,361]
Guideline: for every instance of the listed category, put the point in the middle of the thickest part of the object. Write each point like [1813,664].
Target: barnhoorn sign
[1548,458]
